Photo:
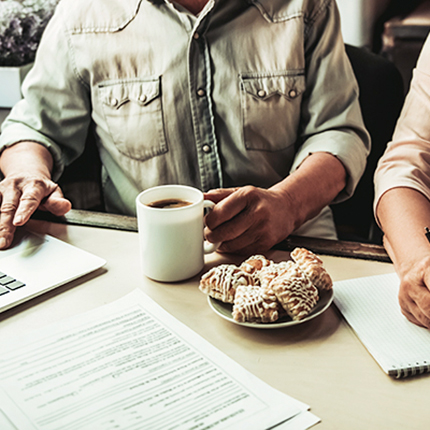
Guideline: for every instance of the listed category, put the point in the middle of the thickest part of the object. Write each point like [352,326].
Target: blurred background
[395,29]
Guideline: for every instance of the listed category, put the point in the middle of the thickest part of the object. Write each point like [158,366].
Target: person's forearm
[29,157]
[314,185]
[403,214]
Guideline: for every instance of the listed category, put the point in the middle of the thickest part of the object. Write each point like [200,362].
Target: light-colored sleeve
[331,115]
[406,161]
[55,110]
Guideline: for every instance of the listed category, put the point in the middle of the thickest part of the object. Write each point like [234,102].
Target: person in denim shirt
[253,102]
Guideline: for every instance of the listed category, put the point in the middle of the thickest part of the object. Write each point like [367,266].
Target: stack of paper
[131,365]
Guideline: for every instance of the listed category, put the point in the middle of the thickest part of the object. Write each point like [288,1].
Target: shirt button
[201,92]
[196,36]
[261,93]
[206,148]
[292,93]
[113,101]
[142,98]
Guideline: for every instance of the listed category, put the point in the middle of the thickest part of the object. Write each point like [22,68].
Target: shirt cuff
[348,148]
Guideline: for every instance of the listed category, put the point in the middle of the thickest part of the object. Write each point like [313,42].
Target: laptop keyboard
[8,284]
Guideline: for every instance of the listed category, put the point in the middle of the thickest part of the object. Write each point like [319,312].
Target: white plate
[224,311]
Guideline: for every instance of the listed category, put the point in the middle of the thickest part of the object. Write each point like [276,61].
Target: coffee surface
[169,204]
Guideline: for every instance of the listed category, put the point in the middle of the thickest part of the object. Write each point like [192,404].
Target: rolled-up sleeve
[55,109]
[406,161]
[332,120]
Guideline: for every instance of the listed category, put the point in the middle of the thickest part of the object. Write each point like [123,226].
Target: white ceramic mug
[172,245]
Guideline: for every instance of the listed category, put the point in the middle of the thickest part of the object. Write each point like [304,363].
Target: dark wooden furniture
[365,251]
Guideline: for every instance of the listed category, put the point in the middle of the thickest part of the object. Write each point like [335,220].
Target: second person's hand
[414,292]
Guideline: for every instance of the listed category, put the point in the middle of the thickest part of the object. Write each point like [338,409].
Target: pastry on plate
[222,281]
[263,291]
[268,273]
[255,263]
[295,292]
[313,267]
[255,304]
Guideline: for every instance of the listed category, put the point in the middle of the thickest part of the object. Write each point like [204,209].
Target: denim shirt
[240,94]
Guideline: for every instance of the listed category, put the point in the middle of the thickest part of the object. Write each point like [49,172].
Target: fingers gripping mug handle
[209,247]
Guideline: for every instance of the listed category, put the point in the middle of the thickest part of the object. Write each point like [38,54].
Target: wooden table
[320,362]
[366,251]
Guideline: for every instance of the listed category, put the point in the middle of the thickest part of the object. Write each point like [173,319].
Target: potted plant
[22,23]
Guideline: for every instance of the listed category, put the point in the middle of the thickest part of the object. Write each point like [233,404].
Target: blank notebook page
[370,306]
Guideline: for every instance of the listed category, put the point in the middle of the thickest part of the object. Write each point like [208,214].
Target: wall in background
[358,18]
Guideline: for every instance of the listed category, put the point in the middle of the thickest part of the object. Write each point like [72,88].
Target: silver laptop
[39,263]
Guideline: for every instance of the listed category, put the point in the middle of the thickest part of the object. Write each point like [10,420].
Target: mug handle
[209,247]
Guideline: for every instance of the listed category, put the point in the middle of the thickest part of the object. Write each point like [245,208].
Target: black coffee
[169,204]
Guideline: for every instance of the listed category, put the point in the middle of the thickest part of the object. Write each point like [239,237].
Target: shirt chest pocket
[271,108]
[134,117]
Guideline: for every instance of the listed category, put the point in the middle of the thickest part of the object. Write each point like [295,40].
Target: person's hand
[20,196]
[414,293]
[248,219]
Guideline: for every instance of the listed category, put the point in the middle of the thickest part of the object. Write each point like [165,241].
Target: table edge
[339,248]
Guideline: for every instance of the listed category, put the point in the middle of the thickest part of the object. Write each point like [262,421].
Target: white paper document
[131,365]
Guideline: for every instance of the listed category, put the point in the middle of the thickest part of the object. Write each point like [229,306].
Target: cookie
[312,266]
[295,292]
[255,304]
[255,263]
[222,281]
[268,273]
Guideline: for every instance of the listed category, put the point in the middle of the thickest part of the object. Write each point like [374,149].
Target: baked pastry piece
[254,264]
[295,292]
[268,273]
[312,266]
[255,304]
[222,281]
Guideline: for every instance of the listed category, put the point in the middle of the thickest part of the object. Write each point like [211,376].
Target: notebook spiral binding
[411,371]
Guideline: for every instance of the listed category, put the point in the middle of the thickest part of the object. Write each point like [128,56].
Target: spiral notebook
[370,306]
